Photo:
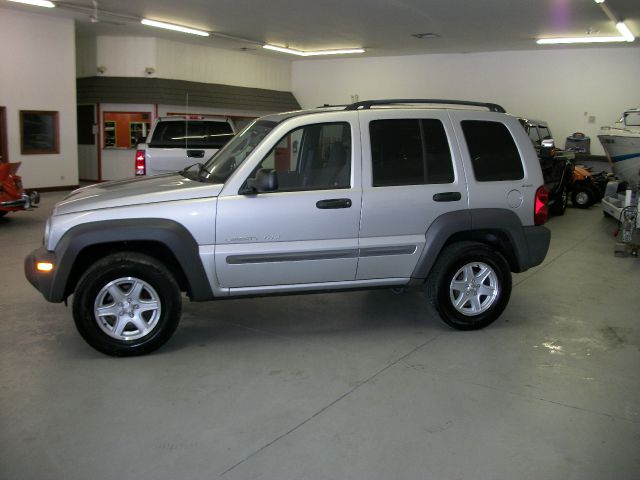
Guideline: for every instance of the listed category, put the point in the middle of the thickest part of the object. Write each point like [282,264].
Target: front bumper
[44,282]
[25,202]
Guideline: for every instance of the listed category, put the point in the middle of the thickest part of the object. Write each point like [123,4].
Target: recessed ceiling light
[171,26]
[425,35]
[37,3]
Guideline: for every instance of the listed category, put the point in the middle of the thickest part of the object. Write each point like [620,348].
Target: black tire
[154,286]
[561,201]
[441,293]
[583,197]
[3,213]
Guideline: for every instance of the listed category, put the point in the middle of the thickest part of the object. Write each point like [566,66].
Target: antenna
[186,121]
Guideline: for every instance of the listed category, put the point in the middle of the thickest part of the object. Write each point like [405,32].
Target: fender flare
[169,233]
[528,245]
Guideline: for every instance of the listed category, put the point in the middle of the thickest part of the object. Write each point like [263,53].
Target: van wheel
[127,304]
[469,286]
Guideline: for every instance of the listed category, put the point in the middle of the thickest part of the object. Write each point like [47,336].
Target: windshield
[223,164]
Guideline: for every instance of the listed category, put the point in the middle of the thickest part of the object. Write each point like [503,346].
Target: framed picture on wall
[39,132]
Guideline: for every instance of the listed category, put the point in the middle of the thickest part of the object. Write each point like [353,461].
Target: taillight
[141,164]
[541,209]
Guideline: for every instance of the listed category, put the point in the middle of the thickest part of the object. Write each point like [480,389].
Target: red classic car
[12,195]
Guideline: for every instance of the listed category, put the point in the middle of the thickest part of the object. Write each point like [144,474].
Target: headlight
[47,230]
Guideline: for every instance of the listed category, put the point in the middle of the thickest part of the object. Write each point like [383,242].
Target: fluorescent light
[343,51]
[599,1]
[37,3]
[177,28]
[625,32]
[301,53]
[556,41]
[284,50]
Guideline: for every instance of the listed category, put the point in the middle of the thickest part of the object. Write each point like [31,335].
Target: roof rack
[366,104]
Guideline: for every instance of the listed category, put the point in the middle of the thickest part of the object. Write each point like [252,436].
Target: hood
[137,191]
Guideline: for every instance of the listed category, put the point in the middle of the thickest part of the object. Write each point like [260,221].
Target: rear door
[412,174]
[306,231]
[496,152]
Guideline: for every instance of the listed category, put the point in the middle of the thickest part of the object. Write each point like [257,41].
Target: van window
[409,152]
[191,134]
[493,152]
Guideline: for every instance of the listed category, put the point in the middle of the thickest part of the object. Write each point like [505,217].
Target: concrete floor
[357,385]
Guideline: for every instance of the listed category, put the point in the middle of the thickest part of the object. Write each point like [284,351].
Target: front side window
[493,152]
[409,152]
[313,157]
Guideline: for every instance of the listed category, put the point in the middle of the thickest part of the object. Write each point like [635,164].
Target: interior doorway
[4,149]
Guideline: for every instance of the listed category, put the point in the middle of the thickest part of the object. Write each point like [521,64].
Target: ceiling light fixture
[177,28]
[37,3]
[625,32]
[557,41]
[302,53]
[627,36]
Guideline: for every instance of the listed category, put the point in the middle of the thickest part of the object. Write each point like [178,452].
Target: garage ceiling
[383,27]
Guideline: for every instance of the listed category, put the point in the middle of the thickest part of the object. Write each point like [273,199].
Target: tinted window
[313,157]
[544,132]
[409,152]
[191,134]
[493,152]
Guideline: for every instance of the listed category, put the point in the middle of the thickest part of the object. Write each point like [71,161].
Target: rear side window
[493,152]
[409,152]
[191,134]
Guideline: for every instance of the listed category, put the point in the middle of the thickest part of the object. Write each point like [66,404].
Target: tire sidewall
[453,317]
[100,275]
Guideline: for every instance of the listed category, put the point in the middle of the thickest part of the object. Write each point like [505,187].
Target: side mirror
[266,180]
[548,148]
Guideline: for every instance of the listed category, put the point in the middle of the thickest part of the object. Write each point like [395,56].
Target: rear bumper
[538,240]
[25,202]
[42,281]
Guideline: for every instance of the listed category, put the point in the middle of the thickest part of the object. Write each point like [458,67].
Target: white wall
[198,63]
[130,56]
[554,85]
[38,73]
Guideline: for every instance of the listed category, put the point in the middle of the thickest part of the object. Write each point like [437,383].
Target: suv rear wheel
[127,304]
[469,285]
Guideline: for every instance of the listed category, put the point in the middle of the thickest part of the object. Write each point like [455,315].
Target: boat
[621,143]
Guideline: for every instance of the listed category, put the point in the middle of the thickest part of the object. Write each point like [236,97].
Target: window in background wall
[39,132]
[125,129]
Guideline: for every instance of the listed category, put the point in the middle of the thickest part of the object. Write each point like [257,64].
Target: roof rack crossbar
[366,104]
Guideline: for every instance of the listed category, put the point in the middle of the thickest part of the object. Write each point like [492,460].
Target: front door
[306,230]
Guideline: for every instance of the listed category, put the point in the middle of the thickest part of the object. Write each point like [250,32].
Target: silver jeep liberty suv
[443,195]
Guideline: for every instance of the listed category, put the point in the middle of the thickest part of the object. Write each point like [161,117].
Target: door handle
[195,153]
[447,197]
[334,203]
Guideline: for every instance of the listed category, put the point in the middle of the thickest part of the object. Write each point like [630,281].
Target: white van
[176,142]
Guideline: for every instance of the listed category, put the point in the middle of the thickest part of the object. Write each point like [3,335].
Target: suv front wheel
[127,304]
[469,285]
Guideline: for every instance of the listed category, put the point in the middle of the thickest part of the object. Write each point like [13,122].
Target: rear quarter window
[191,134]
[493,152]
